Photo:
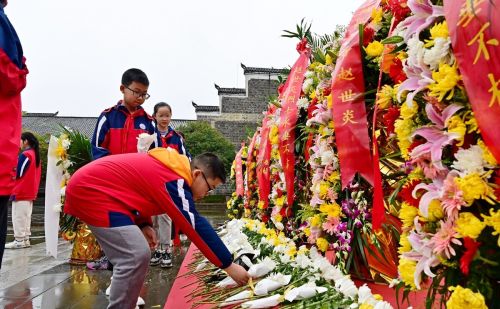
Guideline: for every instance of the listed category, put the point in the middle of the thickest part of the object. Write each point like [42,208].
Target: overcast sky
[77,50]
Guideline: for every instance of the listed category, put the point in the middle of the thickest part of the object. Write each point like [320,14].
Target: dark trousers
[4,202]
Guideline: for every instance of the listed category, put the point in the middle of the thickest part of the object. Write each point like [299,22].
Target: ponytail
[33,143]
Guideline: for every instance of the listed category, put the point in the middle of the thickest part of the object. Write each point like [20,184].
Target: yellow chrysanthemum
[365,306]
[332,210]
[307,231]
[406,269]
[445,80]
[475,187]
[312,95]
[407,214]
[435,211]
[404,244]
[334,177]
[465,298]
[468,225]
[323,189]
[377,16]
[280,201]
[439,30]
[329,101]
[273,135]
[278,218]
[456,125]
[404,129]
[322,244]
[471,123]
[328,59]
[408,111]
[248,212]
[374,49]
[493,220]
[316,221]
[385,97]
[260,205]
[275,154]
[303,250]
[487,155]
[291,250]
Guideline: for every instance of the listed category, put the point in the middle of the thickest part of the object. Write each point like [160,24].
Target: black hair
[134,75]
[211,165]
[33,143]
[161,104]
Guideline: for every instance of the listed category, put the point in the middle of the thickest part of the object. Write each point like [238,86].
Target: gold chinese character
[286,135]
[265,170]
[346,74]
[285,123]
[347,95]
[347,116]
[468,11]
[495,92]
[482,48]
[291,98]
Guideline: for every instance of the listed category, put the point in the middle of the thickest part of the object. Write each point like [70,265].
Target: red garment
[26,188]
[12,82]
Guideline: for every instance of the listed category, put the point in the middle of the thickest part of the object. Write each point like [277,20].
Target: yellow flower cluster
[316,221]
[386,96]
[465,298]
[493,220]
[332,210]
[406,269]
[439,30]
[273,135]
[404,127]
[435,211]
[469,225]
[456,125]
[407,214]
[445,80]
[475,187]
[374,49]
[322,244]
[487,155]
[404,244]
[377,15]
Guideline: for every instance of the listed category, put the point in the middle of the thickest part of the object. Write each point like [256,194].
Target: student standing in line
[162,113]
[29,171]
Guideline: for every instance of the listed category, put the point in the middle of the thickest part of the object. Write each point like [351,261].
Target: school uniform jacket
[128,189]
[173,140]
[117,131]
[28,177]
[13,73]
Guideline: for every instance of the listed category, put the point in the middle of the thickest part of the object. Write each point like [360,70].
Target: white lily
[305,291]
[271,283]
[266,302]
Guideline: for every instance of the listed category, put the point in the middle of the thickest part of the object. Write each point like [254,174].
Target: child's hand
[238,273]
[150,235]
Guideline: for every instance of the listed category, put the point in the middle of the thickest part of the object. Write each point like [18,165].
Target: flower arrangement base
[85,247]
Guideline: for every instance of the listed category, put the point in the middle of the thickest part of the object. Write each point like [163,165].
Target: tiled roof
[230,90]
[205,108]
[251,70]
[51,124]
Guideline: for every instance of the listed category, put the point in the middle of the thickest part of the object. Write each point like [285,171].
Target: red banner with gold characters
[288,118]
[349,112]
[250,168]
[238,171]
[474,27]
[264,158]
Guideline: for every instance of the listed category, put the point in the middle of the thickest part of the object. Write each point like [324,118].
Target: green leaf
[393,40]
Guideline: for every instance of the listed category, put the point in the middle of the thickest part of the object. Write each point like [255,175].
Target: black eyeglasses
[210,189]
[145,96]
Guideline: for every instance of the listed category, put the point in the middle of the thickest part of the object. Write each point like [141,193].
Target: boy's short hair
[211,165]
[134,75]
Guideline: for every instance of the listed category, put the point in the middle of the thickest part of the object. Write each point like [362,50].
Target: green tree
[200,137]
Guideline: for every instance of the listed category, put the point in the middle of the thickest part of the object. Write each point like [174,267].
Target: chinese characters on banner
[238,170]
[474,27]
[263,159]
[349,112]
[288,118]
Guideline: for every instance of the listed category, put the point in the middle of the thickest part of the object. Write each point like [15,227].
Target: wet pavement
[29,279]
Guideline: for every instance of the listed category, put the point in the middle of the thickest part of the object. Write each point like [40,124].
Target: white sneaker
[15,245]
[140,301]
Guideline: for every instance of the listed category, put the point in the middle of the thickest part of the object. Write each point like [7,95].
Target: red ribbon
[349,112]
[288,118]
[474,28]
[250,170]
[238,170]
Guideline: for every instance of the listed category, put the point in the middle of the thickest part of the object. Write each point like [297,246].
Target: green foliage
[80,151]
[200,137]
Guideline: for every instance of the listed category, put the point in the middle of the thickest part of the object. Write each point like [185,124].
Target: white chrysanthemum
[63,191]
[327,157]
[470,161]
[383,305]
[66,164]
[303,103]
[308,82]
[416,51]
[347,287]
[438,53]
[57,207]
[66,143]
[302,261]
[365,295]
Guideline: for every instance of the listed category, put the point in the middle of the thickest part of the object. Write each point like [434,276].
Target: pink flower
[424,14]
[452,199]
[443,240]
[434,191]
[330,226]
[430,170]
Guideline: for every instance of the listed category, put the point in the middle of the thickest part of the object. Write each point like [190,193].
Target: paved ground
[29,279]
